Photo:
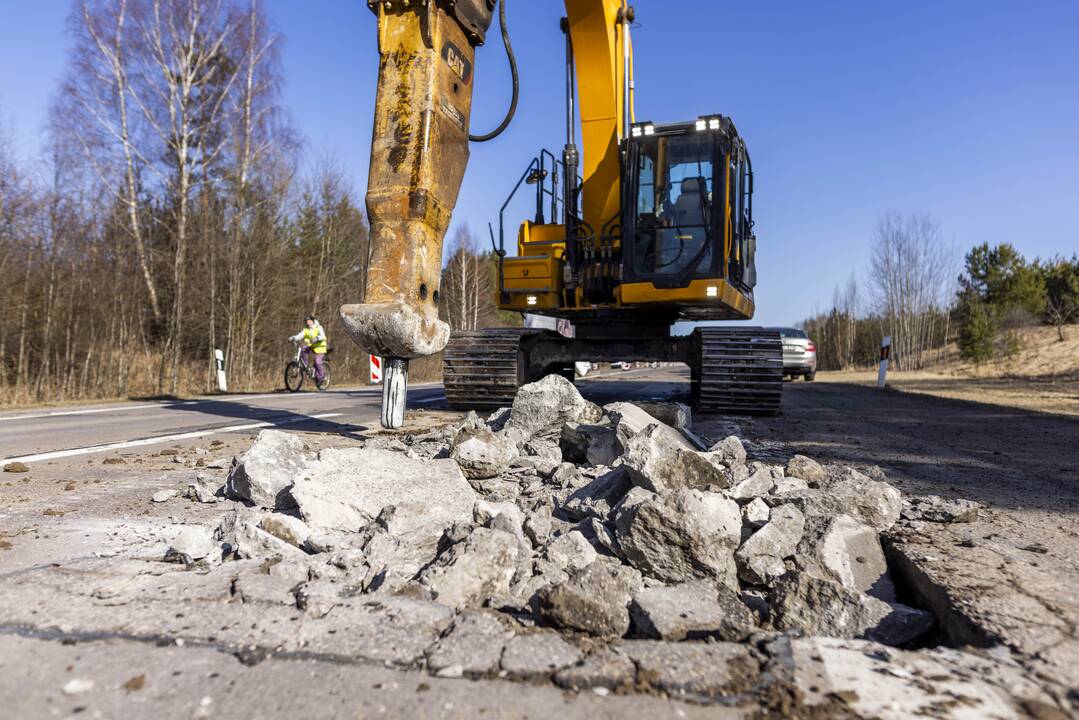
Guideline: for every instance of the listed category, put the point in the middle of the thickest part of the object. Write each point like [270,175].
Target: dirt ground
[1012,577]
[1043,376]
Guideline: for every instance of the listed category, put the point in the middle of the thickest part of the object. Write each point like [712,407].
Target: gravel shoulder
[1012,577]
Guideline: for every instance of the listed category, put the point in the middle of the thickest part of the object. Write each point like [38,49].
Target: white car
[799,354]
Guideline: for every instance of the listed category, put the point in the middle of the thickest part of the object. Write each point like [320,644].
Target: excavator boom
[656,221]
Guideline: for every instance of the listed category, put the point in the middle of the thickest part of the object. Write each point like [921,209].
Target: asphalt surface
[51,433]
[928,444]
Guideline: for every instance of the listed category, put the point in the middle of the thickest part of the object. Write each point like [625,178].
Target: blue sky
[966,109]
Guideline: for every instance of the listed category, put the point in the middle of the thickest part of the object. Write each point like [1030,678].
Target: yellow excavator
[646,225]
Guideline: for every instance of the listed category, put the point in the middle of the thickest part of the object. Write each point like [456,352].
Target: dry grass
[142,382]
[1043,376]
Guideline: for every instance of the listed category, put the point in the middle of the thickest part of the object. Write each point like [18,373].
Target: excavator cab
[687,205]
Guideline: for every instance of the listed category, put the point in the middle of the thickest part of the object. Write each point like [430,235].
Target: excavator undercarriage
[733,370]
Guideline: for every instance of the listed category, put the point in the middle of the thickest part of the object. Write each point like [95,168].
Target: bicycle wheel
[293,376]
[325,384]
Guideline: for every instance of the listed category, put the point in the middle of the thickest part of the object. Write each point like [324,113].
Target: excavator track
[740,371]
[482,370]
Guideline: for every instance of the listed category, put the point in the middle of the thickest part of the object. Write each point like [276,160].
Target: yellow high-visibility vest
[315,338]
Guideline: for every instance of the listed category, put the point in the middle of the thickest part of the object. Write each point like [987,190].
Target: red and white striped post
[376,370]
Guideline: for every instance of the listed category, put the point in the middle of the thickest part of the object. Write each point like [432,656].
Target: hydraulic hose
[513,73]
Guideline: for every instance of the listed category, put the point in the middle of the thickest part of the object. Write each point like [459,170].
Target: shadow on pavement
[1001,456]
[292,420]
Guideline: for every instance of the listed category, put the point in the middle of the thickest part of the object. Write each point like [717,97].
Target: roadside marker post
[885,354]
[222,384]
[376,370]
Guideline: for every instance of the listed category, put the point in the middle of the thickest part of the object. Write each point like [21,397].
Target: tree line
[916,292]
[173,214]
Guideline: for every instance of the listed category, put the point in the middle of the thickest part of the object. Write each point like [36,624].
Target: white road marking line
[161,439]
[124,408]
[424,401]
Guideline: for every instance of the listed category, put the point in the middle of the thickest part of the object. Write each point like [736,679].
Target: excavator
[646,224]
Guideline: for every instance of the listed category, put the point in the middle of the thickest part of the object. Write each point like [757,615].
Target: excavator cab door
[673,205]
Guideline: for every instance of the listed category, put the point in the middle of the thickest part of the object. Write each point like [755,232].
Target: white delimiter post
[219,357]
[885,353]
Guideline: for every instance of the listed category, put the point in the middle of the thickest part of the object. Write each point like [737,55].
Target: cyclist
[314,337]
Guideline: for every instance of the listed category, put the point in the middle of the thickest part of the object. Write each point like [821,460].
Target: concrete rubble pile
[595,546]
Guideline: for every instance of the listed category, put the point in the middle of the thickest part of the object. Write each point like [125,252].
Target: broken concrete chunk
[934,508]
[484,454]
[246,540]
[630,420]
[594,600]
[604,668]
[870,680]
[657,463]
[484,512]
[755,513]
[204,489]
[497,420]
[601,537]
[700,669]
[537,525]
[599,497]
[397,545]
[592,444]
[468,573]
[163,495]
[729,451]
[874,503]
[263,474]
[759,484]
[677,415]
[193,542]
[760,558]
[843,549]
[287,528]
[806,469]
[570,551]
[789,485]
[345,489]
[544,449]
[823,607]
[538,655]
[543,407]
[474,644]
[691,611]
[681,535]
[543,466]
[902,626]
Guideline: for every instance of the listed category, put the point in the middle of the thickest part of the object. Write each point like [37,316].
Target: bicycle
[298,369]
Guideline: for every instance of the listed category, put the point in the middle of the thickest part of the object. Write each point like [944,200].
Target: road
[928,443]
[46,434]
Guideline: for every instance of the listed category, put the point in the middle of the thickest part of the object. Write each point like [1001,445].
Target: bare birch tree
[911,273]
[97,93]
[467,291]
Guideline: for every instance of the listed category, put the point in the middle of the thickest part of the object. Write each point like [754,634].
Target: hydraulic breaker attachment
[419,151]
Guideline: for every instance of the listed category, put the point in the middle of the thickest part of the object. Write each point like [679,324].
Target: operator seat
[688,208]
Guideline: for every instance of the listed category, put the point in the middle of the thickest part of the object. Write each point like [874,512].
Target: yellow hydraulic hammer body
[419,150]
